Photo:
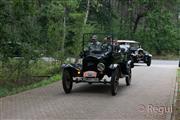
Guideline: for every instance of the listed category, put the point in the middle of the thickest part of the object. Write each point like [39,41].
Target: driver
[94,44]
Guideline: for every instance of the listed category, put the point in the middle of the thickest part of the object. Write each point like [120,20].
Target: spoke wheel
[114,82]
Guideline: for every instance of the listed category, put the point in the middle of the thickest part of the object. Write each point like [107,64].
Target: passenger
[107,45]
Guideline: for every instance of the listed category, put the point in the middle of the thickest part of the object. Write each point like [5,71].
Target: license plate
[90,74]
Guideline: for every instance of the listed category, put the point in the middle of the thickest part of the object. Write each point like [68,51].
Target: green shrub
[19,71]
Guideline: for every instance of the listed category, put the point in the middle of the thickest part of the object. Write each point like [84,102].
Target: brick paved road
[150,86]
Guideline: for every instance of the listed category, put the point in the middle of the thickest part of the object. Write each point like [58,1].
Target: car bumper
[89,80]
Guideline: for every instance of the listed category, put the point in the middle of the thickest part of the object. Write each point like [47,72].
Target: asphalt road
[148,98]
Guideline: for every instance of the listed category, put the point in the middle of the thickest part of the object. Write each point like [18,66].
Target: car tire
[101,77]
[114,82]
[128,78]
[149,62]
[132,64]
[90,83]
[67,81]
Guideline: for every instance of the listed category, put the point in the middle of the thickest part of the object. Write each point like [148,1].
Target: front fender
[113,66]
[111,69]
[73,69]
[148,55]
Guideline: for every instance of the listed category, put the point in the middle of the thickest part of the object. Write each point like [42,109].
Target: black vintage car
[96,64]
[137,53]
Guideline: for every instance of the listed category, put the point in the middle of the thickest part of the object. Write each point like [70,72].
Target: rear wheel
[132,62]
[67,81]
[114,82]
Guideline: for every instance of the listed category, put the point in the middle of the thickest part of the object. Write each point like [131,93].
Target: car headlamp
[100,67]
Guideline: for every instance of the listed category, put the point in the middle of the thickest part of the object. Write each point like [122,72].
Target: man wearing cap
[94,44]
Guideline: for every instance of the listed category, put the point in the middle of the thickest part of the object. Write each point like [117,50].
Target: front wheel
[149,62]
[114,82]
[67,81]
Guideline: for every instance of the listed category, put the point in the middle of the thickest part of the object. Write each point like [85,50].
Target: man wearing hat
[94,44]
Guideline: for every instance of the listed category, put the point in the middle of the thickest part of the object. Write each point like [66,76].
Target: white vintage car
[137,53]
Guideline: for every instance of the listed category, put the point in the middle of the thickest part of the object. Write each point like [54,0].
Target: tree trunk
[64,31]
[85,22]
[137,21]
[87,12]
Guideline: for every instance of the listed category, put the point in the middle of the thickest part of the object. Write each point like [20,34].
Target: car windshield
[134,45]
[131,45]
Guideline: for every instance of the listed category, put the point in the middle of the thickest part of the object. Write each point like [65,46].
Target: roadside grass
[6,90]
[177,111]
[16,75]
[178,73]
